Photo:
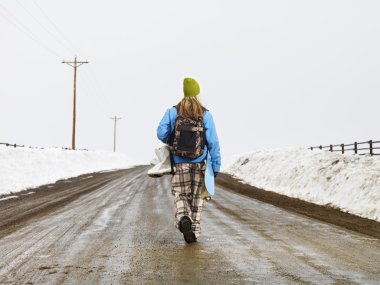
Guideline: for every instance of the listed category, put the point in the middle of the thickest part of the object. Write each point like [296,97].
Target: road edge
[322,213]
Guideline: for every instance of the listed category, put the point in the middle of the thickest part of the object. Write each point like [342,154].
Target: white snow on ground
[23,168]
[348,182]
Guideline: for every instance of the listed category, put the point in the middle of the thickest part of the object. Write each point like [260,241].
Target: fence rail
[14,145]
[33,147]
[361,148]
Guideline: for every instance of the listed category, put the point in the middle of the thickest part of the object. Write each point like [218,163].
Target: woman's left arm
[164,128]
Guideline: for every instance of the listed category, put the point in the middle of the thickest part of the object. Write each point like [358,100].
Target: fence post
[320,147]
[370,147]
[342,146]
[356,147]
[331,148]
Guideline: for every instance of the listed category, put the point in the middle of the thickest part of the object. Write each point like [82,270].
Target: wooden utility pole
[114,131]
[74,64]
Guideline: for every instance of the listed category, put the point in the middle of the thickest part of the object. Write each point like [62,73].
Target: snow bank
[23,168]
[348,182]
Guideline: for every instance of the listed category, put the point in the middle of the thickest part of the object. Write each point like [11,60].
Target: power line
[55,26]
[96,82]
[42,26]
[25,30]
[93,92]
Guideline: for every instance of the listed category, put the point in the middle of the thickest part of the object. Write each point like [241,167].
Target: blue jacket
[166,127]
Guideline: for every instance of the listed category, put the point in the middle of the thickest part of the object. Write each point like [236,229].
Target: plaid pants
[187,186]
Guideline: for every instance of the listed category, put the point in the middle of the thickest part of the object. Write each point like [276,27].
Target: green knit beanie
[190,87]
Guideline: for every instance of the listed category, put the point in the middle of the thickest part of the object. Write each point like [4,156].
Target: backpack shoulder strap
[170,143]
[204,133]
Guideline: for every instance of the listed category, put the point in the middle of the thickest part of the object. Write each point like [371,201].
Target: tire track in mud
[279,258]
[48,198]
[61,229]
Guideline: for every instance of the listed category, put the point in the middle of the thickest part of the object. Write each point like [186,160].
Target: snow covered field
[348,182]
[23,168]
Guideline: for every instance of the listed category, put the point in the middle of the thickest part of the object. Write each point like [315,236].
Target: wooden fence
[16,145]
[361,148]
[13,145]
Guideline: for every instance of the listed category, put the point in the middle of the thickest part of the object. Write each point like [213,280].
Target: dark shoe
[189,237]
[185,228]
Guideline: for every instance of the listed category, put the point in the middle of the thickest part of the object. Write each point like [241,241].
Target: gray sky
[273,73]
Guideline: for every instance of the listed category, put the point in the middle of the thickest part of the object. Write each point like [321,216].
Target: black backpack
[188,137]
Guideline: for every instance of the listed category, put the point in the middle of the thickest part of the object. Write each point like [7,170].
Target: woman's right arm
[212,142]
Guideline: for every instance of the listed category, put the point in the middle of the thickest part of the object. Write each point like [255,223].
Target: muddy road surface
[117,228]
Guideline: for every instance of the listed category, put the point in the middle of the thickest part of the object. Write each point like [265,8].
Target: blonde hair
[191,107]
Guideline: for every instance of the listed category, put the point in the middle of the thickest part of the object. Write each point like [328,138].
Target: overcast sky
[272,73]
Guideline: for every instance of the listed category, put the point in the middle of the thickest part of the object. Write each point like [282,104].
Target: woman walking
[190,131]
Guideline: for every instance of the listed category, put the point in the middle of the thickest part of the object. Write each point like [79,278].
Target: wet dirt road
[118,229]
